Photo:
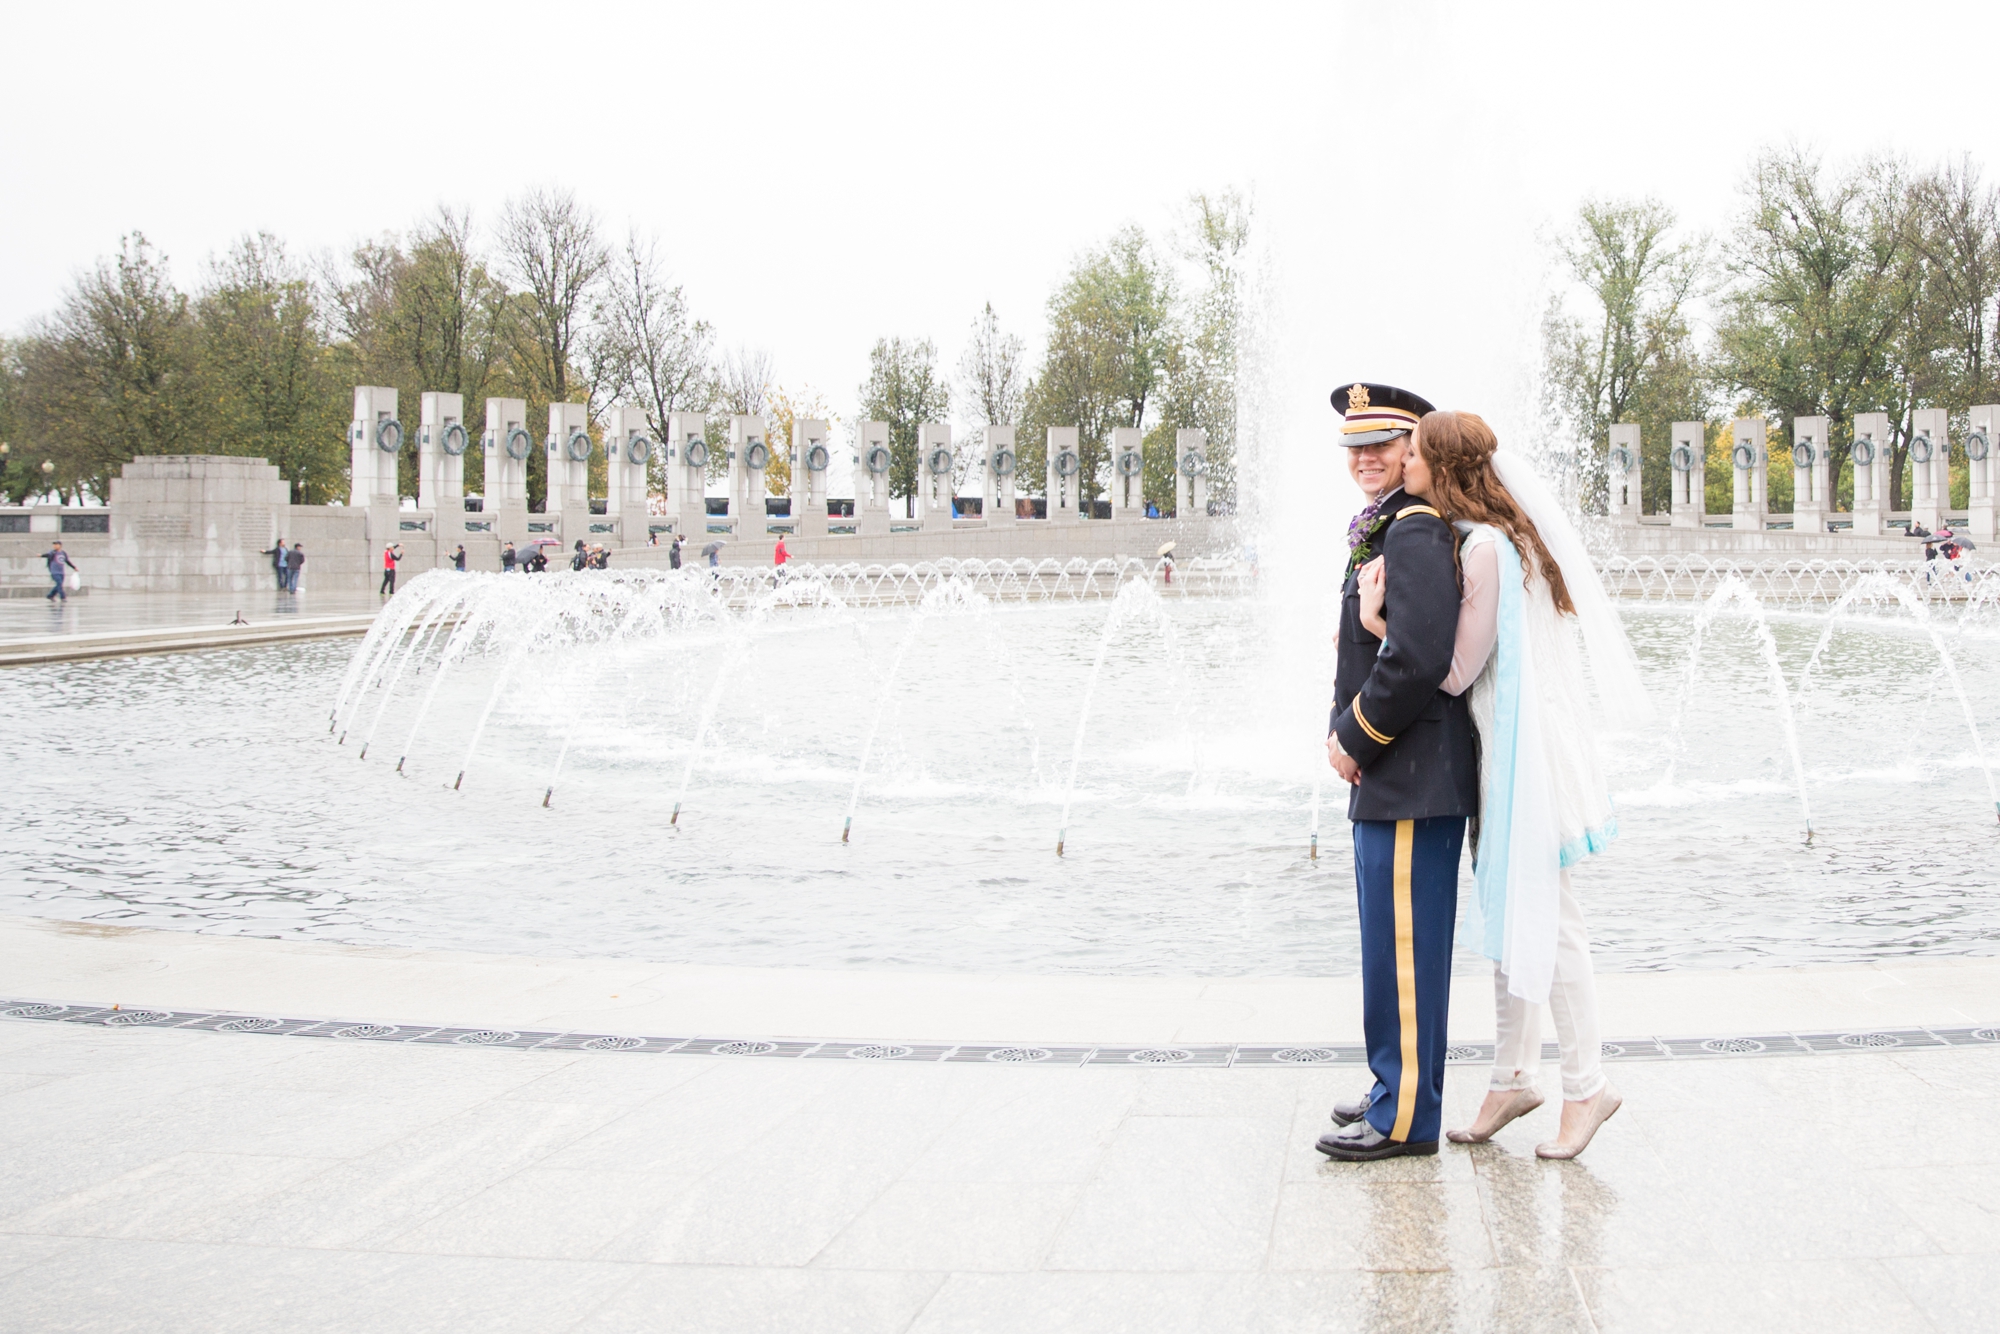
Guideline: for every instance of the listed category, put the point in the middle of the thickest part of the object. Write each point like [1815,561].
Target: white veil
[1613,666]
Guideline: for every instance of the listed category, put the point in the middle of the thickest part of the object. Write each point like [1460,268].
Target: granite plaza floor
[166,1180]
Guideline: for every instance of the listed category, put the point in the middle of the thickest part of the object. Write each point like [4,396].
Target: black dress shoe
[1347,1113]
[1363,1143]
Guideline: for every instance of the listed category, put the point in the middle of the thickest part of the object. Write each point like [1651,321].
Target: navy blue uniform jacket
[1414,742]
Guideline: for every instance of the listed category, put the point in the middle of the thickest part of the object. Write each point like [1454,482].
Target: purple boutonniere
[1361,535]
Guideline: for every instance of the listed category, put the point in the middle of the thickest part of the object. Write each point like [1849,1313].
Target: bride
[1530,594]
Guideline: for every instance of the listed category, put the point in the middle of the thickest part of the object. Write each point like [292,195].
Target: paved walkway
[166,1178]
[99,611]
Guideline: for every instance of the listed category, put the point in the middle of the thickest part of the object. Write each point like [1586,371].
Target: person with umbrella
[1166,554]
[714,553]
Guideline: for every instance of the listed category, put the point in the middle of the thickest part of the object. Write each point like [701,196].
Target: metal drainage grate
[1303,1055]
[126,1017]
[744,1048]
[1160,1056]
[34,1011]
[484,1037]
[613,1044]
[367,1031]
[1987,1034]
[1019,1055]
[881,1052]
[246,1025]
[1732,1046]
[1462,1053]
[1610,1049]
[1870,1040]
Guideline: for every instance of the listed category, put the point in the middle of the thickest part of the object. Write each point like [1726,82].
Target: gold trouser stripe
[1367,727]
[1406,981]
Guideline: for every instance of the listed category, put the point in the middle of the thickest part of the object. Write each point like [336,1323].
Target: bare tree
[992,384]
[745,381]
[650,350]
[550,246]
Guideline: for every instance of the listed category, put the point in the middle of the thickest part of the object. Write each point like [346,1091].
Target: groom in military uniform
[1407,748]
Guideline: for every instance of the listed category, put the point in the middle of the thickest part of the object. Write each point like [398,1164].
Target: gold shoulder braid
[1408,510]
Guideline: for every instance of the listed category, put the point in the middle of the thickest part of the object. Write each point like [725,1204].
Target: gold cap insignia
[1357,397]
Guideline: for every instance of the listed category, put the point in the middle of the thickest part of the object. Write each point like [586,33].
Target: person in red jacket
[390,555]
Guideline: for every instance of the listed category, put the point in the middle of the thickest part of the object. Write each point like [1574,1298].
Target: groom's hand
[1343,763]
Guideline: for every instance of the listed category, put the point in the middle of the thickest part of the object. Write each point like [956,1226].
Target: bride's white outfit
[1544,804]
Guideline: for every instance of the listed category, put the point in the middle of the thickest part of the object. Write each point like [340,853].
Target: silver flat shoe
[1523,1102]
[1603,1107]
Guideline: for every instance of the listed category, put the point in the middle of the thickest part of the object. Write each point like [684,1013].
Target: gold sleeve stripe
[1408,510]
[1368,727]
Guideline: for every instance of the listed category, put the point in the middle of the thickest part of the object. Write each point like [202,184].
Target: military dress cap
[1376,412]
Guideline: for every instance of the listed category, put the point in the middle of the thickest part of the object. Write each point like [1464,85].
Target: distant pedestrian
[778,558]
[458,558]
[509,559]
[295,560]
[674,553]
[391,554]
[59,566]
[277,555]
[652,539]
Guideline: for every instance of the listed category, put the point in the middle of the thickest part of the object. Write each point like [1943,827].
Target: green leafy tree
[265,372]
[1631,356]
[1112,342]
[1824,289]
[905,389]
[110,375]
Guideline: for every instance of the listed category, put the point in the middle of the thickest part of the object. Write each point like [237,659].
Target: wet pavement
[179,1180]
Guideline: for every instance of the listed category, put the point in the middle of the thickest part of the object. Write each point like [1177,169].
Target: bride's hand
[1369,583]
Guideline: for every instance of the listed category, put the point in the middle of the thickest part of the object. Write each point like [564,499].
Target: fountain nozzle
[845,827]
[545,797]
[1061,839]
[364,751]
[677,814]
[1315,847]
[456,781]
[399,762]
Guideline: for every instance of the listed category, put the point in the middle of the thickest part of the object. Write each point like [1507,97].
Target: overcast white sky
[826,174]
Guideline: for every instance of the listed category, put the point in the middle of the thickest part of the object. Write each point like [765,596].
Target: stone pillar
[1128,473]
[1812,474]
[871,479]
[997,466]
[1930,467]
[1687,461]
[1750,464]
[1623,499]
[1190,474]
[568,453]
[749,455]
[507,446]
[1065,469]
[1980,469]
[934,484]
[687,476]
[628,452]
[375,437]
[1870,453]
[811,458]
[441,446]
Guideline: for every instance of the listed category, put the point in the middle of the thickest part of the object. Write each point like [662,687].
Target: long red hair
[1459,447]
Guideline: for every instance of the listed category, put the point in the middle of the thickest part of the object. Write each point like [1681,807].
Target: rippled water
[201,791]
